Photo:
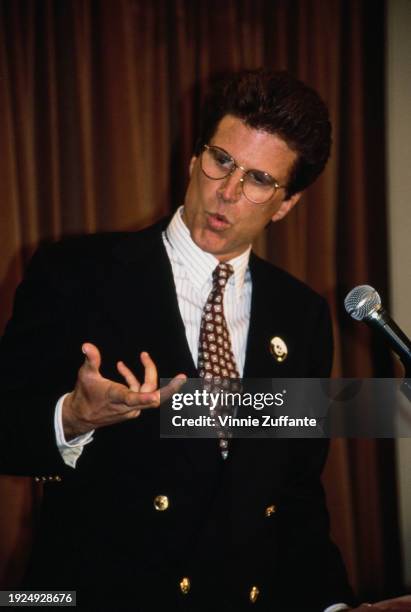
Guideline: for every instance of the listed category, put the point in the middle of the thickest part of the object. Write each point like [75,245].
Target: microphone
[363,303]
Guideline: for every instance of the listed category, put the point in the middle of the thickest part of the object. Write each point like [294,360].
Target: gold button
[37,479]
[185,585]
[270,510]
[254,593]
[57,478]
[161,503]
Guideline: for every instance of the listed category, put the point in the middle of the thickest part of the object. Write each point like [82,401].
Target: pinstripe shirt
[192,271]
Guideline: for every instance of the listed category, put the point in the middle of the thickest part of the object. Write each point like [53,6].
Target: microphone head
[362,301]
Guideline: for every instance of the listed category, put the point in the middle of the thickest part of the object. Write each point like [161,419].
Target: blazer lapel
[142,292]
[257,356]
[152,303]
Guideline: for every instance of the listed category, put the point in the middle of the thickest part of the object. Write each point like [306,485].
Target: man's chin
[210,242]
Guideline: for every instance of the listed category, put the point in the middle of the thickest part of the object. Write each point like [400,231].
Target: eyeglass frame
[276,184]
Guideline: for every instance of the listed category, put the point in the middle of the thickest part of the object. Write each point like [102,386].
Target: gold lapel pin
[278,349]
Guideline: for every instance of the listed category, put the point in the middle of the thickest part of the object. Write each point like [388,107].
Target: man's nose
[231,188]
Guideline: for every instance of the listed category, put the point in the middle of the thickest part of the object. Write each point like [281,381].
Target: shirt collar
[198,264]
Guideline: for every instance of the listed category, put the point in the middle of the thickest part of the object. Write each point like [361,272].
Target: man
[132,521]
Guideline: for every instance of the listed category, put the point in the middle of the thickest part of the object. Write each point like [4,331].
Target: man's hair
[280,104]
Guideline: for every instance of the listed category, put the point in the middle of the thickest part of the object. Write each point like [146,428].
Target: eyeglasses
[258,186]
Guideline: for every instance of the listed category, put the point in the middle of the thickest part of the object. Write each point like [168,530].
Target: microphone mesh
[361,301]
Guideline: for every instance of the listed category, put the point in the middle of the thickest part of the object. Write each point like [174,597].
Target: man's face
[220,218]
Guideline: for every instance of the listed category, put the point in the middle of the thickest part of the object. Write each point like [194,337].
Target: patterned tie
[216,362]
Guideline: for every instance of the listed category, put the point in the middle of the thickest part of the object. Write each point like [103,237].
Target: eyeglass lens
[258,186]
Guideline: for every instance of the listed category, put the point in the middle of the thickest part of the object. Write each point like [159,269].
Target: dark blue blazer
[99,532]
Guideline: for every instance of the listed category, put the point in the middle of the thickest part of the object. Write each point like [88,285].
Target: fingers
[128,376]
[105,402]
[137,396]
[133,384]
[129,399]
[150,373]
[142,400]
[172,387]
[93,357]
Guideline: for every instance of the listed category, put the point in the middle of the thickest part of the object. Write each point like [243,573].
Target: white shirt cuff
[71,450]
[337,607]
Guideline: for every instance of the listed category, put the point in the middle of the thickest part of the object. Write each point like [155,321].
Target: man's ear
[191,166]
[285,207]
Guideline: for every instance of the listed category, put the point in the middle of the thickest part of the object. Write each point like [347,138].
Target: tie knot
[221,274]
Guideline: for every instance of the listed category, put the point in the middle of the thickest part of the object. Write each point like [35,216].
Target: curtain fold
[99,109]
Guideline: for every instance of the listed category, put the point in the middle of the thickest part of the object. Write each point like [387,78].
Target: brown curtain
[99,109]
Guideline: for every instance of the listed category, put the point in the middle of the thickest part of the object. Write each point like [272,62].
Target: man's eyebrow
[247,169]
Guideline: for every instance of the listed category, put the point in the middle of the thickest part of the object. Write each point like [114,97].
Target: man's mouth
[217,222]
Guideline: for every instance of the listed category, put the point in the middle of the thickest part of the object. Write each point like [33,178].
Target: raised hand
[97,401]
